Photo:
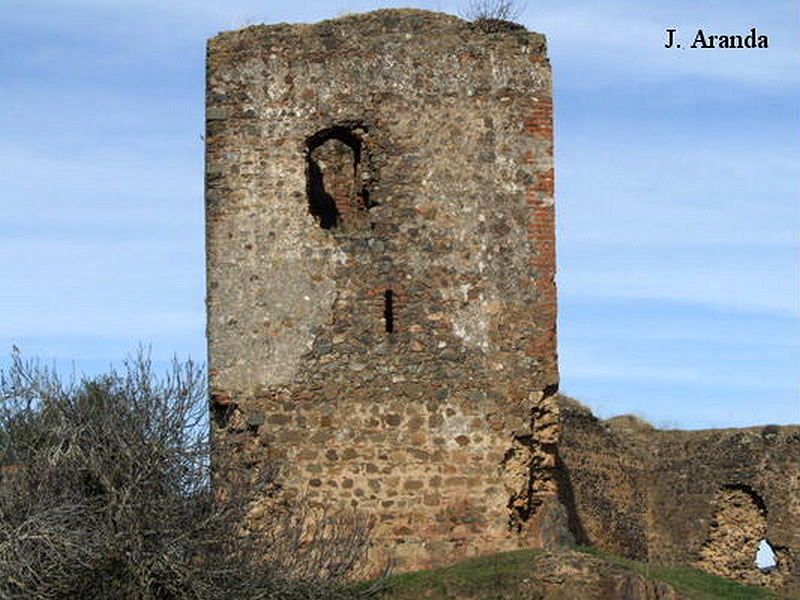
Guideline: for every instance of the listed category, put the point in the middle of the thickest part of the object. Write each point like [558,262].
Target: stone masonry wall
[381,261]
[703,498]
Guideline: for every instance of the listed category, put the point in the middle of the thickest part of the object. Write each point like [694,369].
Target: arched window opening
[738,520]
[337,196]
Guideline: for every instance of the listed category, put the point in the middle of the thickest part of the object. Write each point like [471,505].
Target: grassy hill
[577,574]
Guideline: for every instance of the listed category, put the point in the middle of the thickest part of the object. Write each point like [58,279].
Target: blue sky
[677,192]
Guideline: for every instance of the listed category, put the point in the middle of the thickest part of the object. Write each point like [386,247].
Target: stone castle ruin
[381,268]
[381,295]
[702,498]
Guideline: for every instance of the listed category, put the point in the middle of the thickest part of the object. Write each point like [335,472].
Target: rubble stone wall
[704,498]
[381,261]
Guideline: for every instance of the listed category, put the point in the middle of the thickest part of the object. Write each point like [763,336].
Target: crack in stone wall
[529,467]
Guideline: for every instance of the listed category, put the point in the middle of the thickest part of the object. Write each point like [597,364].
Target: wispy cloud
[751,283]
[105,185]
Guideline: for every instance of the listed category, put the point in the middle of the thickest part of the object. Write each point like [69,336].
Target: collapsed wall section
[381,261]
[702,498]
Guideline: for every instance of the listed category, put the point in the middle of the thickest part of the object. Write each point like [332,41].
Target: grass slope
[694,583]
[500,575]
[475,578]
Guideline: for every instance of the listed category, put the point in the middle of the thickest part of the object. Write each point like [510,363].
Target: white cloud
[90,322]
[106,185]
[100,285]
[589,367]
[742,284]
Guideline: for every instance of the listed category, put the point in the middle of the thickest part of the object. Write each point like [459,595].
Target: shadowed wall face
[381,259]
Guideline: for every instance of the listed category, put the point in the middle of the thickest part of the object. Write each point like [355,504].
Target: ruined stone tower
[381,296]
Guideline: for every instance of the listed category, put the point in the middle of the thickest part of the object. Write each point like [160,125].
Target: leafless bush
[105,492]
[493,15]
[503,10]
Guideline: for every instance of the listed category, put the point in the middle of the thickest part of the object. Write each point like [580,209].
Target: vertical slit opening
[388,310]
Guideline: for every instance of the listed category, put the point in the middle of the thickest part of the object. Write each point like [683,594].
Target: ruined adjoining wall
[703,498]
[381,297]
